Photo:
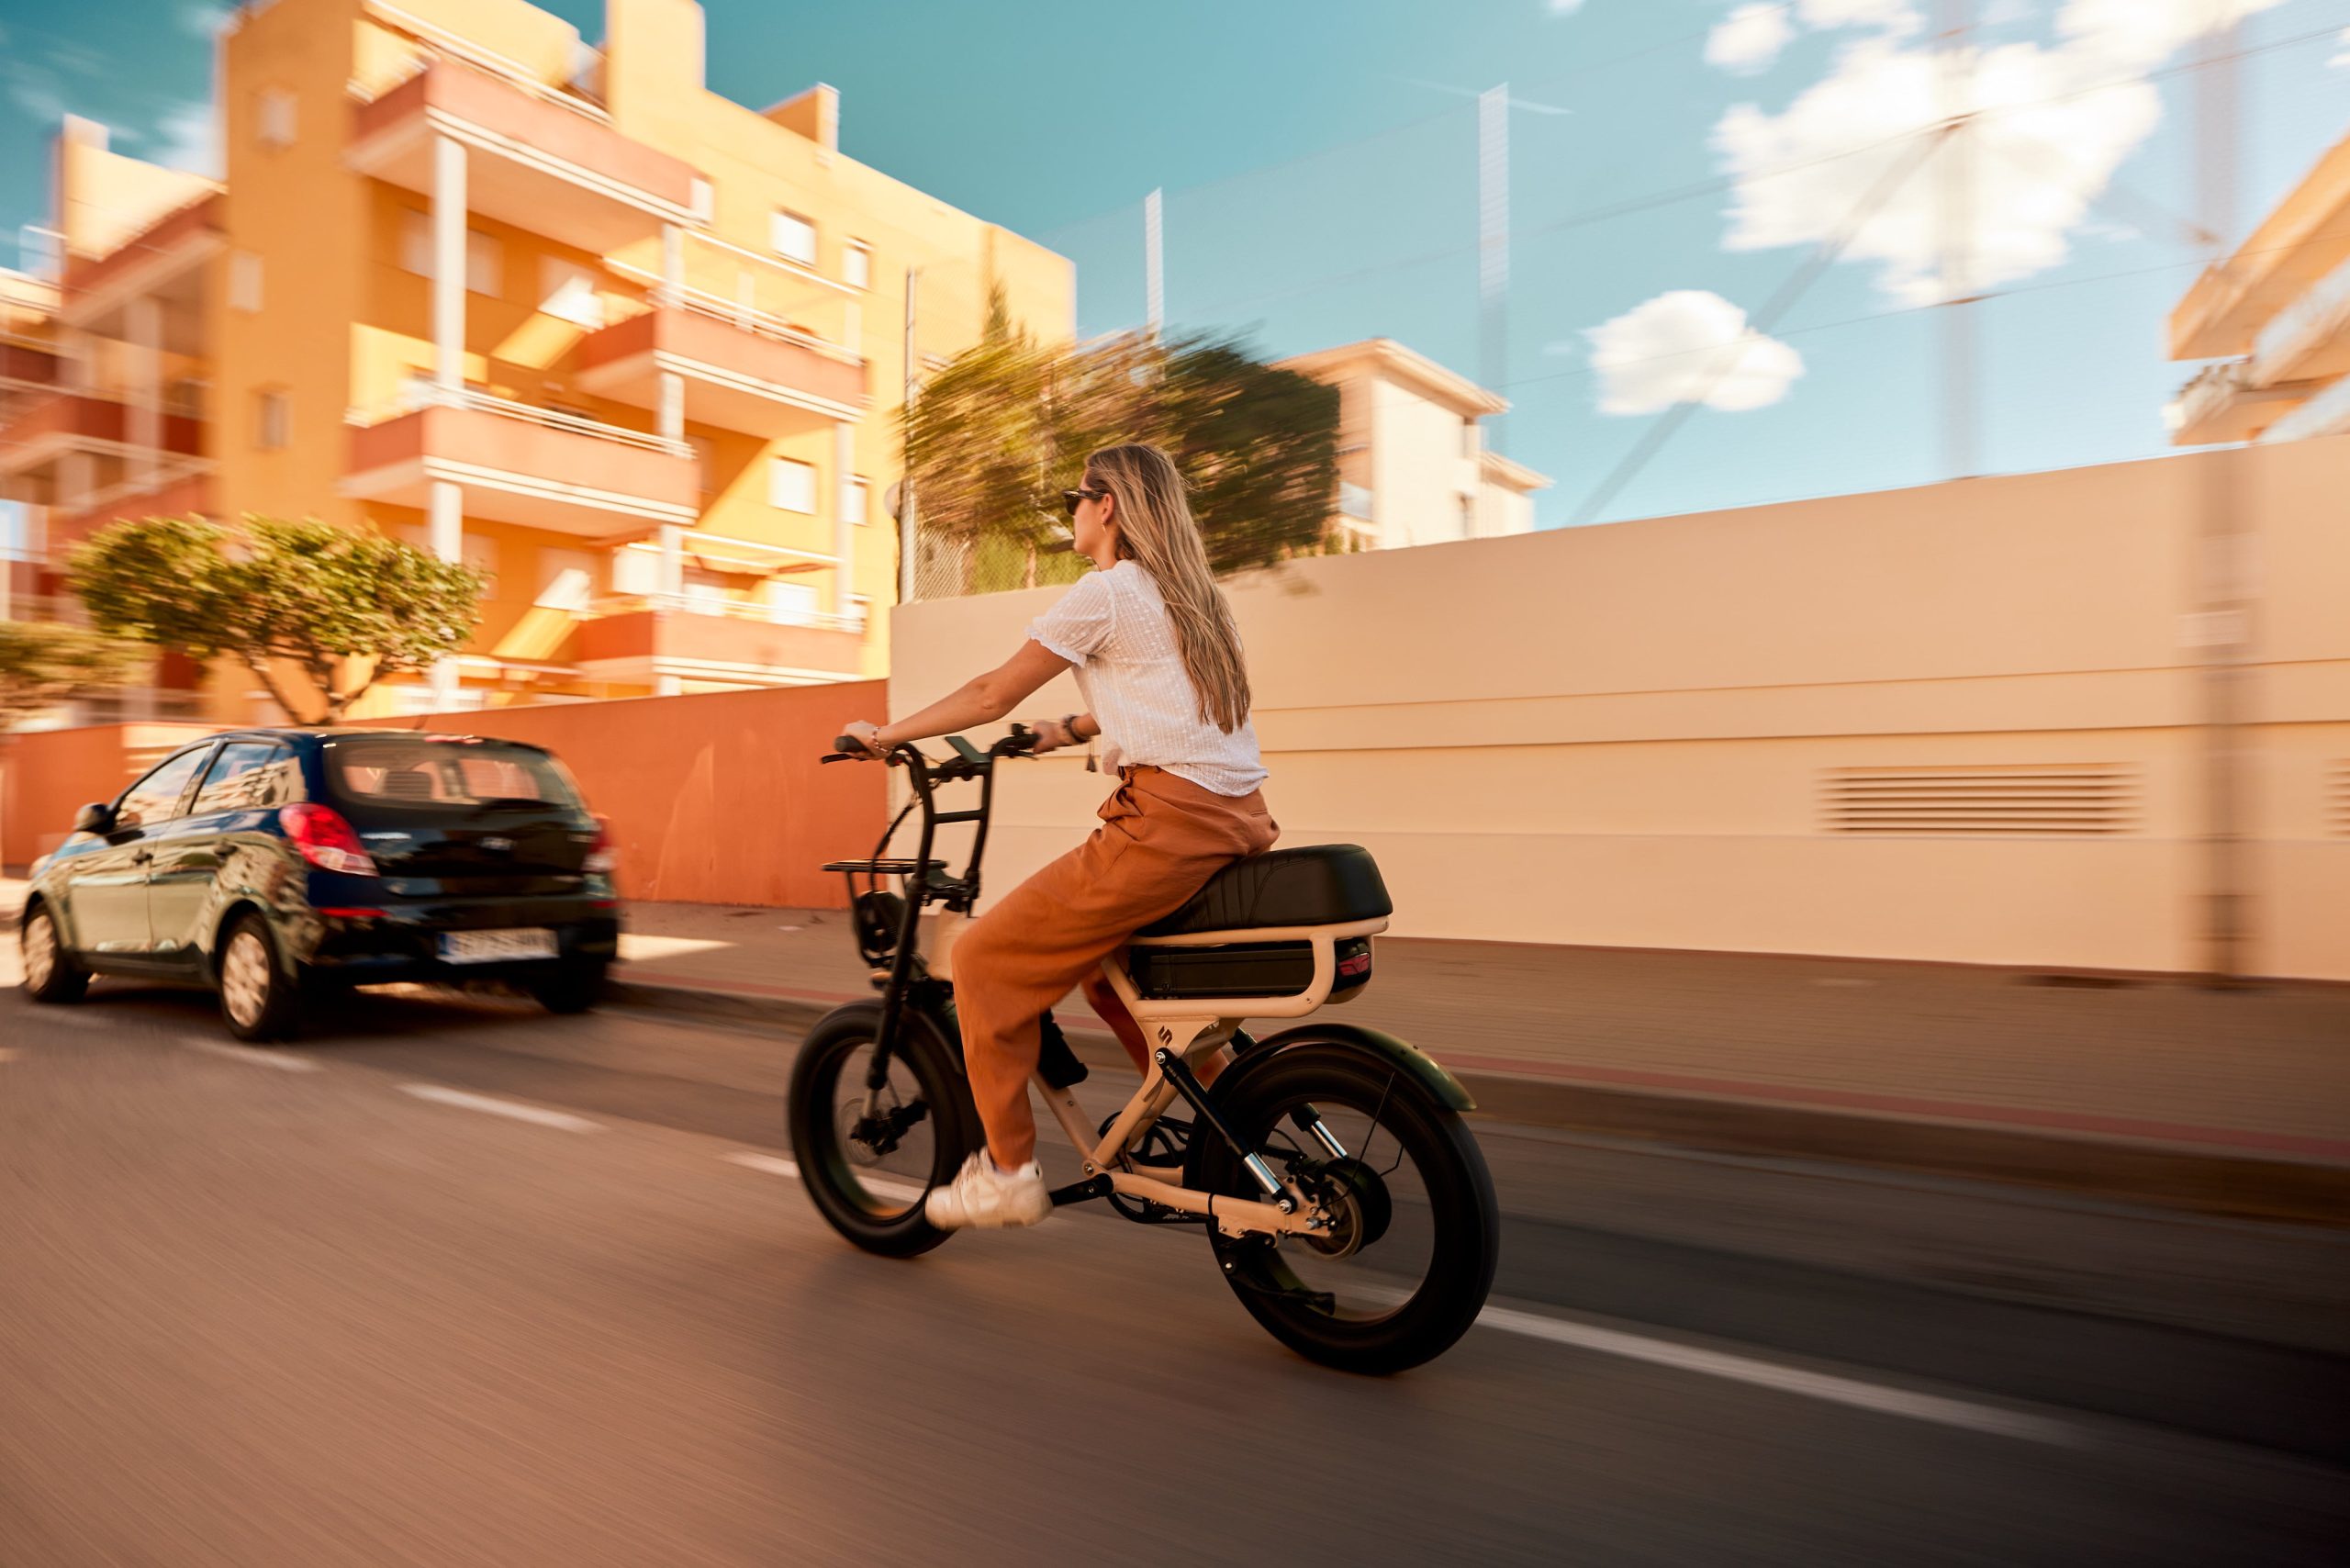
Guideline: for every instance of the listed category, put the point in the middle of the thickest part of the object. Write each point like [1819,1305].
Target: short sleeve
[1078,626]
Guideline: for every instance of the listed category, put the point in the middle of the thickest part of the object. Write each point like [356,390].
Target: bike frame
[1181,1031]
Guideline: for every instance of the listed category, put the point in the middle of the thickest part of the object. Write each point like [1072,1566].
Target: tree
[341,608]
[1005,426]
[43,663]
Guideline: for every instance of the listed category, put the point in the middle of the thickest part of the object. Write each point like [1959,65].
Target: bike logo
[1166,1035]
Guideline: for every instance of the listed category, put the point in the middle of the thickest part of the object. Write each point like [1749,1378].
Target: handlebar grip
[846,748]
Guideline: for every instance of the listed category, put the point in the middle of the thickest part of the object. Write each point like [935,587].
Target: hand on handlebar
[860,731]
[1052,734]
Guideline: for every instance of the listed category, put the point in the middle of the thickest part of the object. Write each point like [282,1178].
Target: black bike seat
[1322,884]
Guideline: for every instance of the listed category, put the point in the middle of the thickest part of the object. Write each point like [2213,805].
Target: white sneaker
[984,1198]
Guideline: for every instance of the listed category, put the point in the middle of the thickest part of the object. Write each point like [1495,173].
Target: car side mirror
[96,817]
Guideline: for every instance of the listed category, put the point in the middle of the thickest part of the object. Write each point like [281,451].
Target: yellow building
[2280,307]
[1413,468]
[561,311]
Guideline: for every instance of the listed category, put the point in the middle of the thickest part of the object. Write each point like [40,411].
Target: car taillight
[601,856]
[325,840]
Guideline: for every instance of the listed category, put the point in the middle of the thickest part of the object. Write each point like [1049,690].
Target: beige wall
[1419,470]
[1624,734]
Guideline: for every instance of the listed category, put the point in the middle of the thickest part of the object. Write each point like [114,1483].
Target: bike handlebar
[969,761]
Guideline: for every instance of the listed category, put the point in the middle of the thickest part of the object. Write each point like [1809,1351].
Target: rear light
[342,914]
[601,856]
[325,840]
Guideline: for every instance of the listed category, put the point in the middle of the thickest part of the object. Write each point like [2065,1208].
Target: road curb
[2206,1180]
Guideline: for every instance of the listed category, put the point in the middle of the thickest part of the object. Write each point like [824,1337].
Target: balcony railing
[727,608]
[2328,413]
[2317,317]
[430,394]
[717,308]
[434,41]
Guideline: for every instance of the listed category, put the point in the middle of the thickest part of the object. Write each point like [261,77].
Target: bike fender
[1423,1067]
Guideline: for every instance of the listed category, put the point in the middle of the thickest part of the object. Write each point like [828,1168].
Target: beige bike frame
[1189,1029]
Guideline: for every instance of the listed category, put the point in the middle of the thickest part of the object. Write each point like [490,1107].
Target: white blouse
[1114,626]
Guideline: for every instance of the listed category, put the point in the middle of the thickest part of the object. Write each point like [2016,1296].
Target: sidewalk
[2148,1087]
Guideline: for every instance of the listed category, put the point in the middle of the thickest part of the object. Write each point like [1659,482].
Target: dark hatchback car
[273,863]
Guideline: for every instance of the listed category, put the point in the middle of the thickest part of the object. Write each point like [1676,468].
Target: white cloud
[187,137]
[2343,57]
[205,20]
[1565,7]
[1748,39]
[1895,16]
[2054,124]
[1688,346]
[33,91]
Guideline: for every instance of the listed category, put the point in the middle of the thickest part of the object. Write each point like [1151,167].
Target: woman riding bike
[1159,661]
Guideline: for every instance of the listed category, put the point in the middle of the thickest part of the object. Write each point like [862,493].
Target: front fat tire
[1460,1194]
[815,1138]
[51,974]
[259,1000]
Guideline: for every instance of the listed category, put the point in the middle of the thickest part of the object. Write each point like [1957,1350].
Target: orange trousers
[1161,838]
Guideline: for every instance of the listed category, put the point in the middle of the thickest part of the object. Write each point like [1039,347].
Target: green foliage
[1005,427]
[43,663]
[345,609]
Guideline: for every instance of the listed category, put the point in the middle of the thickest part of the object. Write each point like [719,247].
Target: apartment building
[1413,468]
[2279,308]
[558,310]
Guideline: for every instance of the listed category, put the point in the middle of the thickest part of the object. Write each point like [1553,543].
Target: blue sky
[1672,163]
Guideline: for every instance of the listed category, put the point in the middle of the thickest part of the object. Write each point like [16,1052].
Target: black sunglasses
[1069,499]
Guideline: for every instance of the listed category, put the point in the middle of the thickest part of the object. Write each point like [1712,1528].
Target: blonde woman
[1159,661]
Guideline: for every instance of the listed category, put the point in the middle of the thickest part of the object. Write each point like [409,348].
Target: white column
[449,266]
[672,585]
[445,525]
[672,582]
[1154,271]
[673,263]
[670,424]
[146,333]
[843,530]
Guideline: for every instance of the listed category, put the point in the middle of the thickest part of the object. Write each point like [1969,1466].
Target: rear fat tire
[576,986]
[259,1000]
[824,1167]
[51,974]
[1467,1223]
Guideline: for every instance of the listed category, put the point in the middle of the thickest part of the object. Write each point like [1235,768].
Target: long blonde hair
[1155,531]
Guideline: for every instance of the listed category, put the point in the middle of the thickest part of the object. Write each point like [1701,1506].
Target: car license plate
[495,947]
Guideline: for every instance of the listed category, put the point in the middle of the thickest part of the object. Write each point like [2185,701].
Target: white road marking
[1785,1378]
[776,1165]
[252,1058]
[514,1109]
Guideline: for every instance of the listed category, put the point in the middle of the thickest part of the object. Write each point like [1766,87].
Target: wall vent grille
[2056,801]
[2337,801]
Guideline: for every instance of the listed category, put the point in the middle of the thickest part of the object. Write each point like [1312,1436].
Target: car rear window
[436,772]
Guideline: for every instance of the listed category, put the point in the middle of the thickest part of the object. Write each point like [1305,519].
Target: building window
[272,420]
[856,265]
[792,485]
[273,117]
[1469,442]
[854,506]
[485,256]
[794,238]
[791,604]
[244,282]
[568,292]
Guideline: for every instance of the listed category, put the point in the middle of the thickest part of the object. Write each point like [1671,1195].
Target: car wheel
[577,985]
[258,1000]
[51,973]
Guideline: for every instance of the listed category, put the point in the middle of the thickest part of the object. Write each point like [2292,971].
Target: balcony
[61,422]
[639,640]
[2309,339]
[164,261]
[187,494]
[26,367]
[534,466]
[742,369]
[542,161]
[2327,413]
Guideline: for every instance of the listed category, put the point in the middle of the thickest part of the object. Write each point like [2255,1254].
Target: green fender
[1401,1053]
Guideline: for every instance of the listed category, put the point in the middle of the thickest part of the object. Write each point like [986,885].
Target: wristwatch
[1069,723]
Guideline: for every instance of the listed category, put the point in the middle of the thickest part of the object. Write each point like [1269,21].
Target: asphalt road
[279,1307]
